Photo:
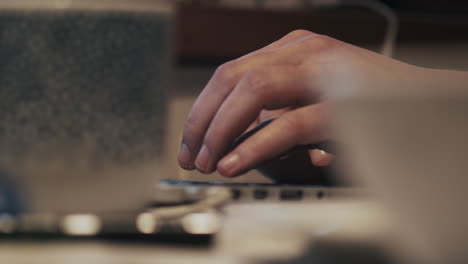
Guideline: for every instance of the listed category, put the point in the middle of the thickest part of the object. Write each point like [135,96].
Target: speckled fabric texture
[87,84]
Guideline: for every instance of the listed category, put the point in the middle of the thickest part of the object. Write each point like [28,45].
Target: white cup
[412,150]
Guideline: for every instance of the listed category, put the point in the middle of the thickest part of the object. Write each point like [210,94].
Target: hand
[294,75]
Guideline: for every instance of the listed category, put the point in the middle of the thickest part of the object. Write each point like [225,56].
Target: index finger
[305,125]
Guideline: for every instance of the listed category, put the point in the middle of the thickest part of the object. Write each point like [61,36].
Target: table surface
[251,232]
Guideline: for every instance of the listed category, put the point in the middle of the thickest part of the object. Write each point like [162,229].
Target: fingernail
[322,154]
[203,159]
[229,165]
[322,159]
[185,158]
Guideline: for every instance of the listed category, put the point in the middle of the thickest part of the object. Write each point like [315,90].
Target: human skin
[295,79]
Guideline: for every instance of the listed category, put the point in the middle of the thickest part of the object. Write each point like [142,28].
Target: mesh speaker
[93,81]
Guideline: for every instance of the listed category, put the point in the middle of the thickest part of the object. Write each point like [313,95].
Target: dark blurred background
[213,31]
[430,34]
[433,7]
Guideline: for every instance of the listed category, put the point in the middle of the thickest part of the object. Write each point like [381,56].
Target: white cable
[390,37]
[215,197]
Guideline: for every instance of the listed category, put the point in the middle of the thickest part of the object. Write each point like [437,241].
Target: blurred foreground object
[82,101]
[410,145]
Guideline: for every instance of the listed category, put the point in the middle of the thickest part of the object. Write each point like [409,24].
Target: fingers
[301,126]
[218,88]
[256,91]
[207,104]
[202,112]
[321,158]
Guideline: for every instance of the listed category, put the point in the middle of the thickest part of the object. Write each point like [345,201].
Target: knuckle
[191,128]
[298,33]
[256,83]
[322,43]
[225,72]
[211,140]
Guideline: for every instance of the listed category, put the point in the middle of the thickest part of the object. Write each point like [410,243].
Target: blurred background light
[81,225]
[202,223]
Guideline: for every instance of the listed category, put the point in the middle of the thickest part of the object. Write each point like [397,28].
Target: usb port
[291,195]
[260,194]
[235,194]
